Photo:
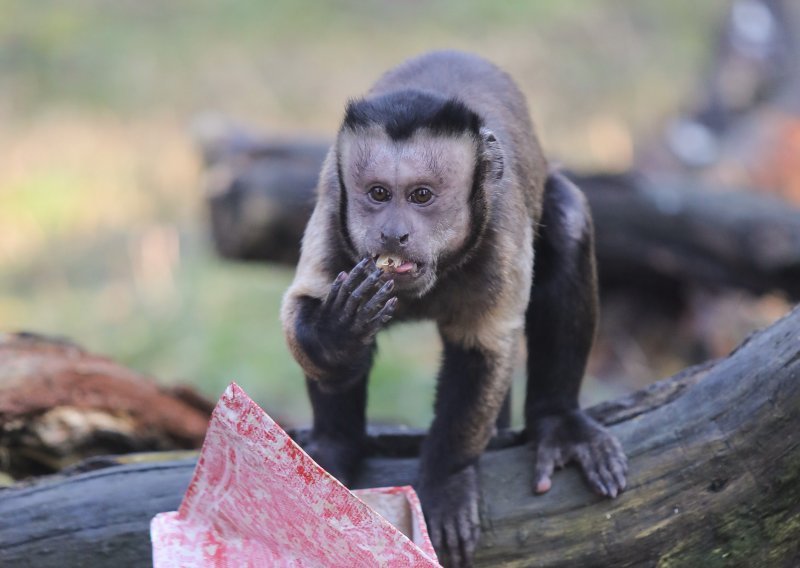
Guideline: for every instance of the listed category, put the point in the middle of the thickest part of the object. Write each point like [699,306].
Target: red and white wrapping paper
[257,499]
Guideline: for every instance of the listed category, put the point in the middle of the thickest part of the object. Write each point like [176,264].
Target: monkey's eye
[420,195]
[379,194]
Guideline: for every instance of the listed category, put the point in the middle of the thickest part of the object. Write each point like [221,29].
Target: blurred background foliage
[102,228]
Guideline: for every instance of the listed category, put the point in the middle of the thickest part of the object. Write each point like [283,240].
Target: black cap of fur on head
[402,113]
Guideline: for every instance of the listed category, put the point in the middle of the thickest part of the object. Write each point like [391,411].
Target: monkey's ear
[492,153]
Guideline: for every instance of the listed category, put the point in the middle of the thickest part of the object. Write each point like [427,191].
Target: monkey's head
[417,173]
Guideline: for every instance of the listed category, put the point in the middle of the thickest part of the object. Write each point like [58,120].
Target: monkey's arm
[333,339]
[473,383]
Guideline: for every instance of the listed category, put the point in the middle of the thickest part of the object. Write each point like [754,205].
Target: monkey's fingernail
[389,285]
[543,485]
[392,302]
[341,277]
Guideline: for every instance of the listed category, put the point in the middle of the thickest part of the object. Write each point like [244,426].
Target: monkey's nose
[400,240]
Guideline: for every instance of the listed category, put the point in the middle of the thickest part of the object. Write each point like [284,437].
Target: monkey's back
[490,92]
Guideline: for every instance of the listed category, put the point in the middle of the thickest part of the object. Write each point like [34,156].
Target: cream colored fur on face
[443,164]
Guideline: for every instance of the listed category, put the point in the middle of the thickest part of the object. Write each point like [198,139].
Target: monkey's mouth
[393,264]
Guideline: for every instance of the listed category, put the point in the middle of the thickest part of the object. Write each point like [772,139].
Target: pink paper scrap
[257,499]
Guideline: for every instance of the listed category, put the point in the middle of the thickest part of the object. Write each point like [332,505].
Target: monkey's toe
[604,464]
[451,508]
[455,536]
[543,484]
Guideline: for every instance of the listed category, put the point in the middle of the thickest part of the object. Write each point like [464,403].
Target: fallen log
[675,231]
[60,404]
[714,480]
[663,236]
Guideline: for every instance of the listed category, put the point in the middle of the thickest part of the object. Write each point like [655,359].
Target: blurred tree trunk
[261,194]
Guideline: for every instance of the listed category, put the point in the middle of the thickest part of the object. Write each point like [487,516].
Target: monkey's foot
[451,507]
[574,436]
[339,458]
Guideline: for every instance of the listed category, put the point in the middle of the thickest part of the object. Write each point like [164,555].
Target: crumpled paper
[257,499]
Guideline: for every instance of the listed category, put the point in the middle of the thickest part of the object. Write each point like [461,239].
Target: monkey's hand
[573,436]
[451,507]
[358,305]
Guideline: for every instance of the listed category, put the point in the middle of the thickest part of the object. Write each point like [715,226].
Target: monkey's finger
[618,453]
[364,290]
[378,300]
[435,532]
[452,544]
[616,462]
[543,467]
[359,272]
[334,291]
[475,518]
[371,327]
[595,482]
[612,453]
[619,474]
[351,283]
[603,470]
[468,532]
[386,313]
[588,465]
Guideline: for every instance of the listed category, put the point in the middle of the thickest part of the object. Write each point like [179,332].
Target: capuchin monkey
[436,202]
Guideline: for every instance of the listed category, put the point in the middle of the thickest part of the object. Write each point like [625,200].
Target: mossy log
[714,481]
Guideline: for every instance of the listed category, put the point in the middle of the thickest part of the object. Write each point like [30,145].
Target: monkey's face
[408,200]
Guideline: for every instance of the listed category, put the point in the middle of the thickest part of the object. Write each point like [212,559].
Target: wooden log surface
[714,481]
[660,235]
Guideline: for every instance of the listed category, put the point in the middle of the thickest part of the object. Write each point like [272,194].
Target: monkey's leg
[472,386]
[504,418]
[339,428]
[560,326]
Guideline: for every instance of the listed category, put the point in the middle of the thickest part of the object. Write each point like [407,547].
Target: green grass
[102,230]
